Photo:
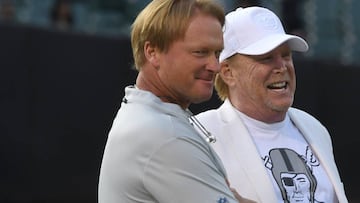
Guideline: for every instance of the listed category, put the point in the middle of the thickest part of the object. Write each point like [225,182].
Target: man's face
[297,187]
[263,86]
[188,68]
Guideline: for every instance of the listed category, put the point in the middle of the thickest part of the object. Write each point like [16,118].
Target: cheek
[243,80]
[294,79]
[252,76]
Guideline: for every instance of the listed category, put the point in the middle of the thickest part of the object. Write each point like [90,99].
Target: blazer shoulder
[301,114]
[207,115]
[305,119]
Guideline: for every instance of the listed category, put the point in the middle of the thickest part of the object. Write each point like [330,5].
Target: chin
[281,108]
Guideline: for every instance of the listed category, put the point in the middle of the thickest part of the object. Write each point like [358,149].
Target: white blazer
[241,159]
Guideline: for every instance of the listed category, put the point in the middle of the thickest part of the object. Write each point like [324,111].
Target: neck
[152,83]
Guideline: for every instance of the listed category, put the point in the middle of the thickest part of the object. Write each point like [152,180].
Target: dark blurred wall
[58,94]
[60,91]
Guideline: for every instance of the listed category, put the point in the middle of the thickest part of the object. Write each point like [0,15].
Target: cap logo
[266,21]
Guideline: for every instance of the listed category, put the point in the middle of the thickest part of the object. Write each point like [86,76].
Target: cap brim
[269,43]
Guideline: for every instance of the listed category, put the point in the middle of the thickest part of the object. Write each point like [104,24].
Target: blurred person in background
[292,17]
[61,15]
[271,151]
[7,11]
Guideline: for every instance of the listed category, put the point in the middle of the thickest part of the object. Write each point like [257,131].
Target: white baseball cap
[256,31]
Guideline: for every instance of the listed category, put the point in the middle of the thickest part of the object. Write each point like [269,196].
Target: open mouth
[278,85]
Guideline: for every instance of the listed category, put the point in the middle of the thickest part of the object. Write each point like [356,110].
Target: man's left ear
[151,54]
[226,72]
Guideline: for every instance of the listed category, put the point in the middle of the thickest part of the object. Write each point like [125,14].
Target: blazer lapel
[314,137]
[241,144]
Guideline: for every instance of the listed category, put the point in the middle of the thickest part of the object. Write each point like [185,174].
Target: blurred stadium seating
[330,25]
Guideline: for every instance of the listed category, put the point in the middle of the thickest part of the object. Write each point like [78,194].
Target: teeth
[278,85]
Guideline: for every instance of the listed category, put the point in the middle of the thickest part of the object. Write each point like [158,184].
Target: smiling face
[262,86]
[185,72]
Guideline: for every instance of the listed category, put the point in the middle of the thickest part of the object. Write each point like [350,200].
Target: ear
[151,54]
[226,73]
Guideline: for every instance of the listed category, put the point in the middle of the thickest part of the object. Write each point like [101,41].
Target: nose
[213,63]
[280,64]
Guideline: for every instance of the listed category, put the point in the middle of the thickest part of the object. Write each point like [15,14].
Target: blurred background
[64,64]
[328,25]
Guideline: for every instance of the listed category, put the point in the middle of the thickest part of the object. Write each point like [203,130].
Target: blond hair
[162,22]
[221,88]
